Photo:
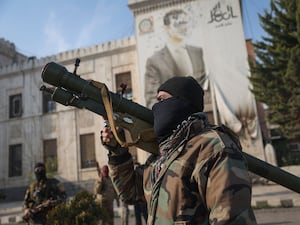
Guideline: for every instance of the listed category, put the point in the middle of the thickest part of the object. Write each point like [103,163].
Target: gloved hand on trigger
[108,140]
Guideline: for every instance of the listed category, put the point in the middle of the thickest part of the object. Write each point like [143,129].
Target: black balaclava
[40,171]
[187,98]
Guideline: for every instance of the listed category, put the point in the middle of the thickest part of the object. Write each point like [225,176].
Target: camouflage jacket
[38,192]
[204,181]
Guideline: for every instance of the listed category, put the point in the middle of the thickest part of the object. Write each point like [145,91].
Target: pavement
[263,196]
[274,195]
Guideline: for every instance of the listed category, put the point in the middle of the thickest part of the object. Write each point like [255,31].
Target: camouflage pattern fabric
[205,181]
[39,192]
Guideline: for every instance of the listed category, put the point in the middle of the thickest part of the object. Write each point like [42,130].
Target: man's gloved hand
[110,143]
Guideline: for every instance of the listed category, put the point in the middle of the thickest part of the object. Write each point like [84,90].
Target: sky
[45,27]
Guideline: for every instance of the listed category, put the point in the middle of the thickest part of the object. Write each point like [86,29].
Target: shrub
[81,210]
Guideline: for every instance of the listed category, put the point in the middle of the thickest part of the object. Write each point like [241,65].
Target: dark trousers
[140,210]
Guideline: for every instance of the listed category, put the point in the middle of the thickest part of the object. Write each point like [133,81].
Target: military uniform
[200,176]
[203,181]
[40,191]
[105,195]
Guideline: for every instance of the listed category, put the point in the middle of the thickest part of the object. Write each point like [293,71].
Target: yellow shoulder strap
[109,111]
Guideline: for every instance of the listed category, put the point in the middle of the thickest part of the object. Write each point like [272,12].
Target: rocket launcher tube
[58,76]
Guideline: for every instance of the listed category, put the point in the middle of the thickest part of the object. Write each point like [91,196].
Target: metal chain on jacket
[179,136]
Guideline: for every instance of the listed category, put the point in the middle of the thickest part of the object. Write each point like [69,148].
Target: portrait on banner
[203,39]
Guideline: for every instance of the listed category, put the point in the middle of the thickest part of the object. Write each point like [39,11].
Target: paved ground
[273,216]
[275,196]
[264,196]
[278,216]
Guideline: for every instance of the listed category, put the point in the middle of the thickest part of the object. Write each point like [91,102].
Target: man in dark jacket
[176,58]
[200,176]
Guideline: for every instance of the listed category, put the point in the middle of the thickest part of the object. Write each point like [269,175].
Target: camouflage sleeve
[27,198]
[228,191]
[127,183]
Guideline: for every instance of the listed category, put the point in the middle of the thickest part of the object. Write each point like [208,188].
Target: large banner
[204,39]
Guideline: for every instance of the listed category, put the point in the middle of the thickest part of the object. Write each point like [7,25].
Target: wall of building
[66,124]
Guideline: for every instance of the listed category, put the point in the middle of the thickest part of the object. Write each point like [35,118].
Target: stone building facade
[33,128]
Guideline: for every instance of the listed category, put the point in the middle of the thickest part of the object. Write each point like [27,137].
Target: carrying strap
[109,111]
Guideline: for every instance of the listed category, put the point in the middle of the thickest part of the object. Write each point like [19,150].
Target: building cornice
[66,57]
[143,6]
